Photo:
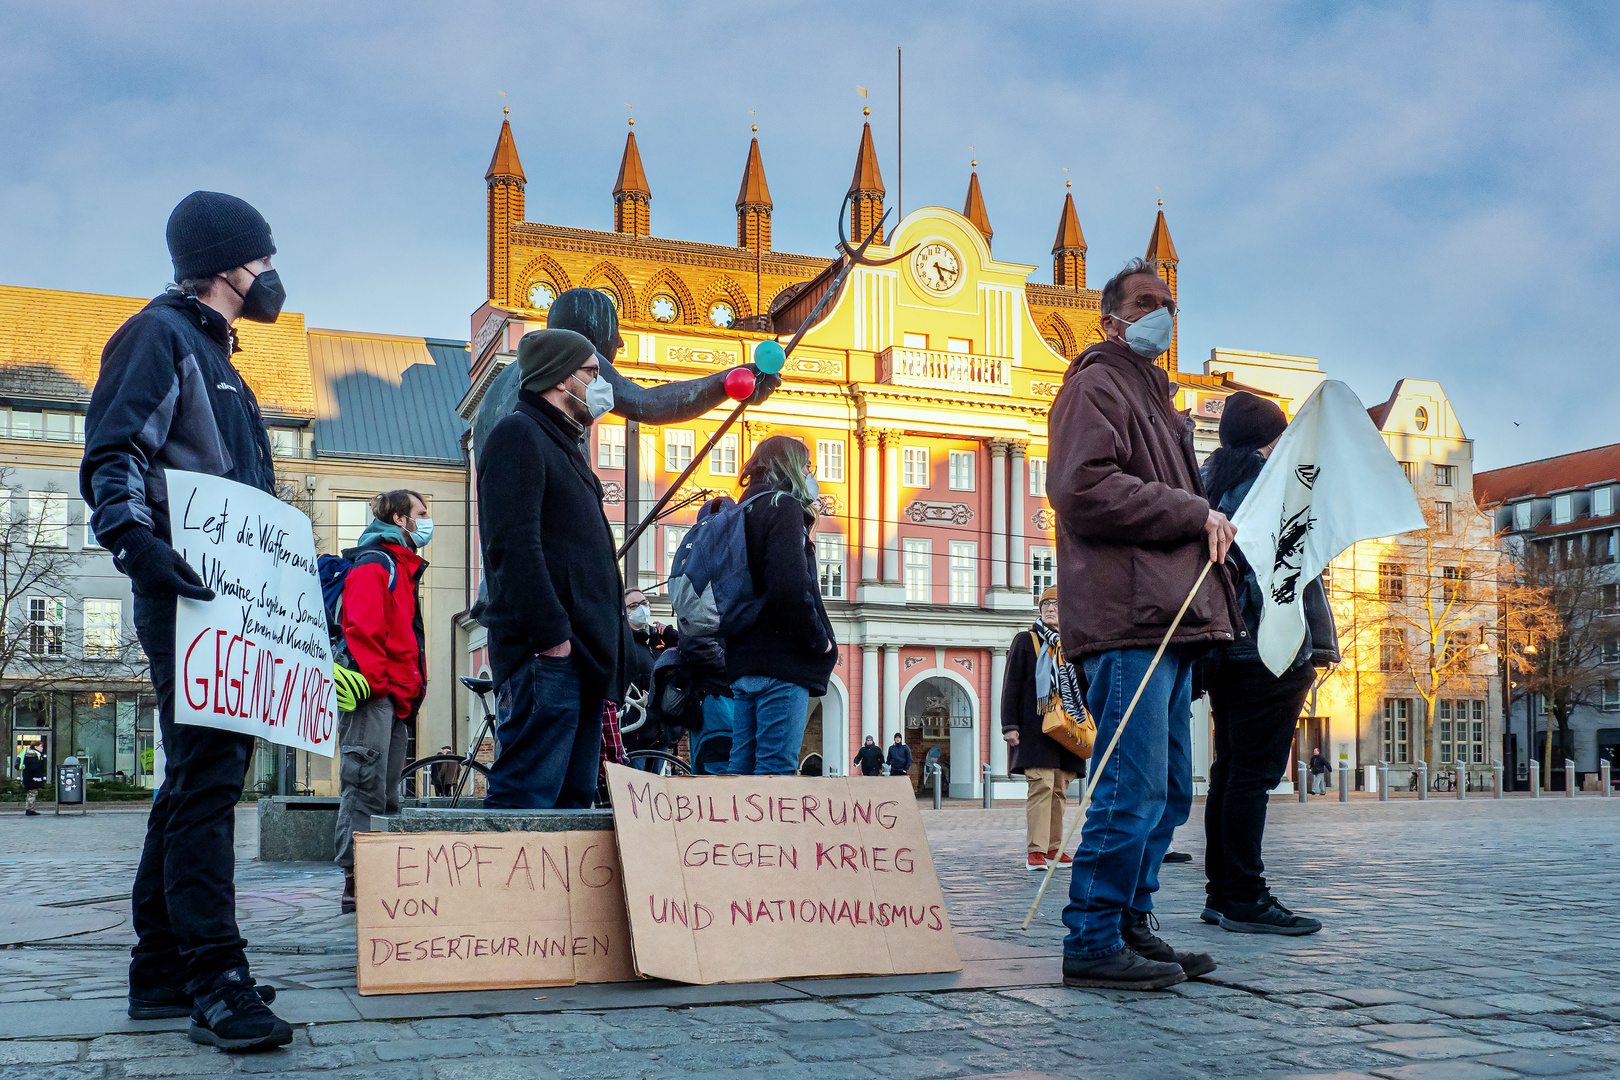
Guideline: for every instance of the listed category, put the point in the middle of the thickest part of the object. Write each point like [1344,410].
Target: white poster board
[256,658]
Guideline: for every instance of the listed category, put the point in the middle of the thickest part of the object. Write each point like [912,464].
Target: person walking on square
[445,774]
[1319,772]
[869,758]
[1255,713]
[899,757]
[33,778]
[1034,663]
[785,657]
[555,620]
[168,397]
[1134,531]
[385,678]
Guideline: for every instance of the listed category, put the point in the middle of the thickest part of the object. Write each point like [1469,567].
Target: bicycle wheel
[658,762]
[416,780]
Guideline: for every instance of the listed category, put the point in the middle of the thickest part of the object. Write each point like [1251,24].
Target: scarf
[1049,664]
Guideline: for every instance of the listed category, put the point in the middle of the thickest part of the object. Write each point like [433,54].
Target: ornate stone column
[1017,561]
[998,513]
[998,683]
[893,723]
[891,505]
[871,685]
[871,539]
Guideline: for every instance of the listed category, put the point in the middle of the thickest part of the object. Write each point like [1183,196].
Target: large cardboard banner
[488,911]
[741,878]
[256,658]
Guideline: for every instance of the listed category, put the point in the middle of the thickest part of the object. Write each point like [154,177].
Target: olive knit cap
[210,233]
[547,357]
[1249,422]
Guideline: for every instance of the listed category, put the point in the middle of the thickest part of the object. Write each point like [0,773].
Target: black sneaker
[1122,970]
[168,1003]
[1177,856]
[1210,915]
[232,1016]
[1266,916]
[30,813]
[1140,939]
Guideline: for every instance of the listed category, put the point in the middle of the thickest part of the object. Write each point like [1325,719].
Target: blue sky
[1398,188]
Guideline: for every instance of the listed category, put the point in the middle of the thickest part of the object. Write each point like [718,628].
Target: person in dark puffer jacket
[785,657]
[168,397]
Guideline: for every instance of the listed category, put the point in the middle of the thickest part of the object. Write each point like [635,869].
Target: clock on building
[936,267]
[541,294]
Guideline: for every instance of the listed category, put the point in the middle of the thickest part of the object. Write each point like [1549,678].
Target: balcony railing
[944,371]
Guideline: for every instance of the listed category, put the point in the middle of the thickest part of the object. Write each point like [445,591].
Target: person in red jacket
[383,688]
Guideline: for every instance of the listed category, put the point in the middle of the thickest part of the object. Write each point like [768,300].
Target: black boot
[1141,939]
[232,1016]
[1122,970]
[1266,916]
[346,905]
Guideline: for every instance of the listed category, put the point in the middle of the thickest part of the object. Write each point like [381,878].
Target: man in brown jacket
[1133,532]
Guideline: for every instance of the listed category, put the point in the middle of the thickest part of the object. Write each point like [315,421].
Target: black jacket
[790,639]
[1019,711]
[898,759]
[33,772]
[640,658]
[548,551]
[167,397]
[870,759]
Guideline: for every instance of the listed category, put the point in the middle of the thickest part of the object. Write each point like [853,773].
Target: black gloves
[155,568]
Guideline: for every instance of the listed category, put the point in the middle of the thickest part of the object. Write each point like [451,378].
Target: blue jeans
[550,736]
[767,726]
[711,744]
[1142,794]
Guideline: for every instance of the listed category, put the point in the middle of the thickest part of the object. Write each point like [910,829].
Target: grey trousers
[371,752]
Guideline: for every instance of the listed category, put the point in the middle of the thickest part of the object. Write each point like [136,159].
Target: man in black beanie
[554,617]
[168,397]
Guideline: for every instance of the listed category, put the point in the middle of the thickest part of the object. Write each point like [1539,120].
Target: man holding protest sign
[168,397]
[1133,533]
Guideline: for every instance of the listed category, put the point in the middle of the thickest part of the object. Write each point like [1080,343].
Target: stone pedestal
[434,819]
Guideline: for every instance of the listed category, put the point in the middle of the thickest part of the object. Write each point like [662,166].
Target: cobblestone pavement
[1465,941]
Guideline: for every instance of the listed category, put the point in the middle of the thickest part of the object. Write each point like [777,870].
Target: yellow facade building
[922,393]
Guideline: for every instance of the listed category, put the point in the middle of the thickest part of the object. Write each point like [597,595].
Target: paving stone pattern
[1464,941]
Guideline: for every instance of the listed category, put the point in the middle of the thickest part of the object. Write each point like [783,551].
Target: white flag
[1330,482]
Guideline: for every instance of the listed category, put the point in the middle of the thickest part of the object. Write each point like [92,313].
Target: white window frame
[1042,570]
[1444,475]
[830,461]
[1602,502]
[679,444]
[90,540]
[103,628]
[1037,477]
[1521,514]
[914,341]
[1611,695]
[961,346]
[964,572]
[673,536]
[1563,509]
[723,458]
[917,569]
[964,470]
[1442,513]
[916,470]
[46,627]
[610,446]
[830,565]
[1398,731]
[347,535]
[48,511]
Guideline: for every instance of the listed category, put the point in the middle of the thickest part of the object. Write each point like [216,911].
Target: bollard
[1462,779]
[1535,780]
[1603,775]
[1344,781]
[1498,775]
[989,798]
[1383,780]
[1423,781]
[939,796]
[1569,779]
[1304,778]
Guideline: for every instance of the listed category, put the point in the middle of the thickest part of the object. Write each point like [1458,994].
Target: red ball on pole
[739,384]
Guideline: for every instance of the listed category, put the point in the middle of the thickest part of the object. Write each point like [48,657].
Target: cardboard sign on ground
[736,879]
[488,911]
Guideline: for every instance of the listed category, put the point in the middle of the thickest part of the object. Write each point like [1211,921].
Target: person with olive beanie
[555,621]
[168,397]
[1255,713]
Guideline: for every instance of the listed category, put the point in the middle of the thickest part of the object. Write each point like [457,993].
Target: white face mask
[640,615]
[598,399]
[1149,336]
[423,533]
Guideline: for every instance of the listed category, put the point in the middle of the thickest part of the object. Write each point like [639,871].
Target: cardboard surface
[488,911]
[736,879]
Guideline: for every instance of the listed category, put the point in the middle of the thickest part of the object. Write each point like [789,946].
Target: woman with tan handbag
[1047,730]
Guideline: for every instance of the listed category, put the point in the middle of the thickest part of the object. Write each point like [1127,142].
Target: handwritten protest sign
[256,658]
[488,911]
[739,878]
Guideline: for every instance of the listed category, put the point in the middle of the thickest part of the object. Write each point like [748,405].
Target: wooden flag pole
[1096,773]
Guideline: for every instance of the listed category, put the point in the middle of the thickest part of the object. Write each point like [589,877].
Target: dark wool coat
[790,639]
[1020,712]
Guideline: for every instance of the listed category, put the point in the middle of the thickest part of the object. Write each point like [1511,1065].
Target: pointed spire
[632,198]
[505,164]
[1160,249]
[973,208]
[1069,249]
[868,179]
[866,190]
[754,203]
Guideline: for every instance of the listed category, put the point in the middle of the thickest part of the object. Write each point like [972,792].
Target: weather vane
[1066,181]
[506,110]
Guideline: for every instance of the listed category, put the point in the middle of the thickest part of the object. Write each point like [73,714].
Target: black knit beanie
[210,233]
[547,357]
[1249,422]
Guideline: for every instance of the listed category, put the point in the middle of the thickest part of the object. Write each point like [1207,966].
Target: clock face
[937,267]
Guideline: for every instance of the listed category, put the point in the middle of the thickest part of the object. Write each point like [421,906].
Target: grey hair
[1113,293]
